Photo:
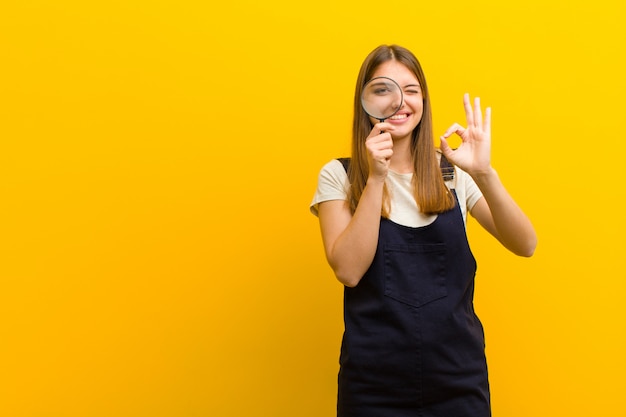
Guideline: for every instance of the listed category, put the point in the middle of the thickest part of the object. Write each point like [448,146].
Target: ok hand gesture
[474,154]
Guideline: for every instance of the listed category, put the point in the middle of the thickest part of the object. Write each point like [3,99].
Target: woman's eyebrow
[379,83]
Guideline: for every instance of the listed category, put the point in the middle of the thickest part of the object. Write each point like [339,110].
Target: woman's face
[410,114]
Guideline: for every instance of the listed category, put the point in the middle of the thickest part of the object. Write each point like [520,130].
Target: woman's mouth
[399,116]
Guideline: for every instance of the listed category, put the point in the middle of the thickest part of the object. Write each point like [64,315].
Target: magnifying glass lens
[381,98]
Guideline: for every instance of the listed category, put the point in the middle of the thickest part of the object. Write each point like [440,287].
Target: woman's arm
[497,212]
[350,240]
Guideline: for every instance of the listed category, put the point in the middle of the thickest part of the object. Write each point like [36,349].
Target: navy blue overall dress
[413,345]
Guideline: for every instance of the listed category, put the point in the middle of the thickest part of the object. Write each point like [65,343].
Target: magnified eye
[381,91]
[381,98]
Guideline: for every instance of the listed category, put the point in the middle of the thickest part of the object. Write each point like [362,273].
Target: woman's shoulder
[336,168]
[333,175]
[332,184]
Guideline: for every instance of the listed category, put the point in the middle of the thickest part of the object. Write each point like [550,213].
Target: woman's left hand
[474,154]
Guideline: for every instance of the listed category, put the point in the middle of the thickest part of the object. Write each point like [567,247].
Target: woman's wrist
[484,176]
[375,181]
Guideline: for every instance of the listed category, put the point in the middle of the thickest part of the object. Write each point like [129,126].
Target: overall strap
[447,169]
[345,162]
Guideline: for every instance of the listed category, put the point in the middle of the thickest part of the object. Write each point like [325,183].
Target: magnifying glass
[381,98]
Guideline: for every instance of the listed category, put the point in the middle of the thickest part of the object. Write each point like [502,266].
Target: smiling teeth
[399,116]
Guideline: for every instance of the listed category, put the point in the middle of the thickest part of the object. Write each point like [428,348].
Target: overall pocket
[415,274]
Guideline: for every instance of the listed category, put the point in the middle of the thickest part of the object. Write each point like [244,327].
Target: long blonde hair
[430,191]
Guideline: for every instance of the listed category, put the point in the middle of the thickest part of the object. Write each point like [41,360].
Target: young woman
[393,230]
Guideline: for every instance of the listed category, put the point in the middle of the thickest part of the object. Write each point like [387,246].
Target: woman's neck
[402,159]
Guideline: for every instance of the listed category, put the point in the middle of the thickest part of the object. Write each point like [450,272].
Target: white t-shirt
[333,185]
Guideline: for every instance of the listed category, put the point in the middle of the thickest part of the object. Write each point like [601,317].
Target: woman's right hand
[379,145]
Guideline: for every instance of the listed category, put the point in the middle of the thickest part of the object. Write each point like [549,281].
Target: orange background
[157,159]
